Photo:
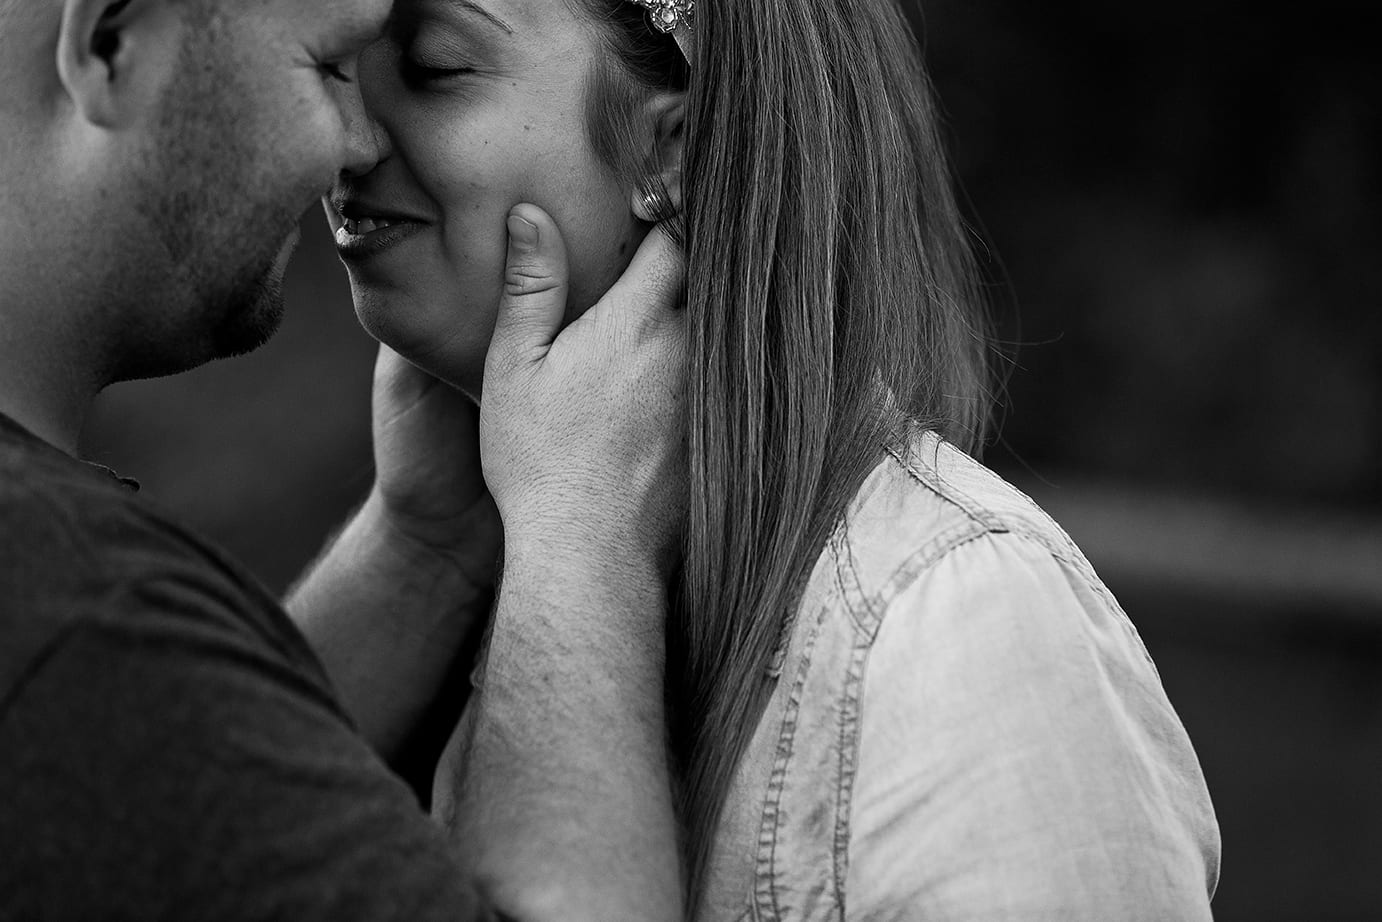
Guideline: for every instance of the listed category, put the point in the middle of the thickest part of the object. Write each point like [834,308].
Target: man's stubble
[217,221]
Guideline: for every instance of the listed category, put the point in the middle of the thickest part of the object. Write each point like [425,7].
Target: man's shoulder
[54,514]
[180,751]
[50,553]
[79,548]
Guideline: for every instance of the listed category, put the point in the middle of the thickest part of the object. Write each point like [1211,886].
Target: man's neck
[54,324]
[59,430]
[44,397]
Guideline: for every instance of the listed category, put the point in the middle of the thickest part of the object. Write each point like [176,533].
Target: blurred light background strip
[1271,559]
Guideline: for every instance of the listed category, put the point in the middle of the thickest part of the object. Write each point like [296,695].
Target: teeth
[361,226]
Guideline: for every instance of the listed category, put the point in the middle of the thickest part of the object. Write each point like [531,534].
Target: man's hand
[557,788]
[428,481]
[583,433]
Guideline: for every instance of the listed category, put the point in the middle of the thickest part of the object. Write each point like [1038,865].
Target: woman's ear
[115,57]
[653,200]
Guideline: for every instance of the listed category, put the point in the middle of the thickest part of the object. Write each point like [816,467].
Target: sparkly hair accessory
[668,15]
[672,16]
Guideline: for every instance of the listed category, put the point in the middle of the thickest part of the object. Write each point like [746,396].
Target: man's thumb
[534,298]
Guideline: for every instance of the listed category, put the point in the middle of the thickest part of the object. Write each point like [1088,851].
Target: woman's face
[481,104]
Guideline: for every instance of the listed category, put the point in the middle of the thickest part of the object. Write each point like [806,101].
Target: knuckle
[529,279]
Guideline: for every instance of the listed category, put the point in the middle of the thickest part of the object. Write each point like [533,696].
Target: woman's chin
[459,364]
[454,353]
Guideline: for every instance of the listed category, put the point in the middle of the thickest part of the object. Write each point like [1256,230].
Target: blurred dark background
[1179,203]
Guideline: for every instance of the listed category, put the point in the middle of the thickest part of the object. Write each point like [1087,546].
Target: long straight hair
[833,308]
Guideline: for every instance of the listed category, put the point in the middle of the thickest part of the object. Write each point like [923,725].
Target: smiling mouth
[358,239]
[358,227]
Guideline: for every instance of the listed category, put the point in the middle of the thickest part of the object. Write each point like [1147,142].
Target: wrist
[463,549]
[584,546]
[603,525]
[597,587]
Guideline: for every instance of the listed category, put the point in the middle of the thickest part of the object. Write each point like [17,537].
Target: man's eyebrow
[471,6]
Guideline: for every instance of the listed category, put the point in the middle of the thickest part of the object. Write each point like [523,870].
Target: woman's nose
[367,143]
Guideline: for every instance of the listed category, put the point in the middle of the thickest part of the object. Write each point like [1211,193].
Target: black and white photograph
[690,461]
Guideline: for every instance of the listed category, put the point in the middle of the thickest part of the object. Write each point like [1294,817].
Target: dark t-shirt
[170,748]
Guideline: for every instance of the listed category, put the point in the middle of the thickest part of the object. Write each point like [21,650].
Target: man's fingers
[651,285]
[535,284]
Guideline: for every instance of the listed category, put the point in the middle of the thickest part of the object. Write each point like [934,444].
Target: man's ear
[667,118]
[115,57]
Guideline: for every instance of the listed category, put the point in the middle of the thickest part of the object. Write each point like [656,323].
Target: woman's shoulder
[931,518]
[965,721]
[941,557]
[995,694]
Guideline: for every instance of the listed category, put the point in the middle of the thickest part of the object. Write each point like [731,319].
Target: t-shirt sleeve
[1018,757]
[167,765]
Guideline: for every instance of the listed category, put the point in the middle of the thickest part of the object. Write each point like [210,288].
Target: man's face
[259,122]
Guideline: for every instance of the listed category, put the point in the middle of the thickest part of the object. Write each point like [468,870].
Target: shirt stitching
[930,479]
[851,703]
[765,893]
[866,611]
[1063,551]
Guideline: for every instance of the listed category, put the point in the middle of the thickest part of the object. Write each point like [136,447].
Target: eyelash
[412,70]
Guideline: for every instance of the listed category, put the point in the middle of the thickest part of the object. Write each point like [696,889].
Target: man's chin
[252,320]
[248,315]
[236,322]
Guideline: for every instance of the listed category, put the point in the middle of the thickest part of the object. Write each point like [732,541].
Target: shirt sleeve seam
[900,580]
[867,610]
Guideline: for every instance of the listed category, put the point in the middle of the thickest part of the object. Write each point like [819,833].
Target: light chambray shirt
[965,726]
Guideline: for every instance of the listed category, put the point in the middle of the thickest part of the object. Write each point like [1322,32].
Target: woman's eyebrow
[473,7]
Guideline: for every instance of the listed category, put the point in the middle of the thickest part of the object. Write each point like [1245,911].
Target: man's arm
[557,788]
[410,578]
[177,760]
[386,614]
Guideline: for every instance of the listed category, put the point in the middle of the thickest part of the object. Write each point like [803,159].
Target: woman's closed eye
[431,56]
[422,71]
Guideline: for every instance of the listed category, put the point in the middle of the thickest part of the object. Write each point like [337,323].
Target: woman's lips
[361,238]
